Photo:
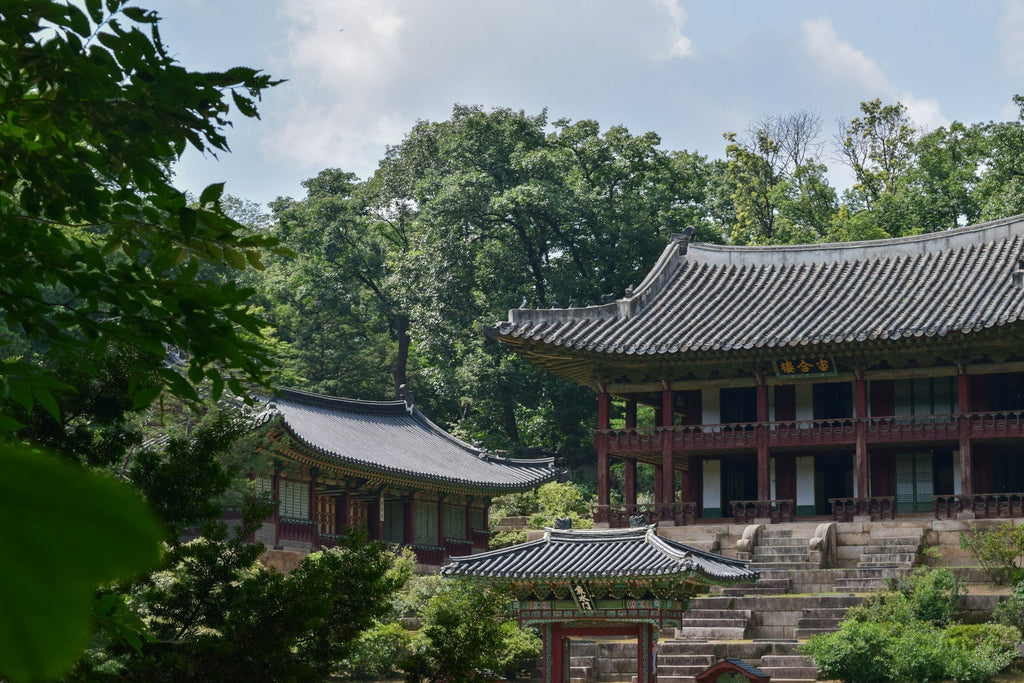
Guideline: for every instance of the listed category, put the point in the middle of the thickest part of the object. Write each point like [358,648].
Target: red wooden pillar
[862,457]
[646,656]
[668,467]
[556,667]
[275,487]
[963,427]
[764,481]
[341,512]
[313,474]
[603,465]
[630,492]
[408,523]
[440,522]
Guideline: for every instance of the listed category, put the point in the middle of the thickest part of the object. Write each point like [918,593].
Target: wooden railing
[983,505]
[295,529]
[458,547]
[746,511]
[619,516]
[875,507]
[878,430]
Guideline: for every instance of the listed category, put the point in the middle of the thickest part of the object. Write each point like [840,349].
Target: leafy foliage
[467,635]
[98,247]
[908,634]
[59,553]
[997,549]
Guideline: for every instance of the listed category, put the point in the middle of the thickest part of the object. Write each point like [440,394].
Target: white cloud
[680,44]
[1011,36]
[842,61]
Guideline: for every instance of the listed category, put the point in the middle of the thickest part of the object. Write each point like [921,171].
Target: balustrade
[815,432]
[983,505]
[875,507]
[747,511]
[619,516]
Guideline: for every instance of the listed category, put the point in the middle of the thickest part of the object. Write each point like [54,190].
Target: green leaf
[211,193]
[69,530]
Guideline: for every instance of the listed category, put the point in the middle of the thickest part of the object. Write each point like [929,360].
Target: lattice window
[424,523]
[394,521]
[455,522]
[294,499]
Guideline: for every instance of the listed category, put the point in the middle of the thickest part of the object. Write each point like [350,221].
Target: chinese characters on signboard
[583,598]
[805,366]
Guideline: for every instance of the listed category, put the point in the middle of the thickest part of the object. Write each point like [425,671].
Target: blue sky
[362,72]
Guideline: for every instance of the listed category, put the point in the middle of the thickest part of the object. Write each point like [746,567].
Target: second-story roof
[702,299]
[394,439]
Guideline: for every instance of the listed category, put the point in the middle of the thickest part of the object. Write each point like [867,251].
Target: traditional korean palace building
[383,467]
[606,582]
[879,378]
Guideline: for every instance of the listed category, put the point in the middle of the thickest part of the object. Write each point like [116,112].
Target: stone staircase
[824,617]
[792,668]
[780,549]
[890,553]
[602,661]
[770,582]
[714,618]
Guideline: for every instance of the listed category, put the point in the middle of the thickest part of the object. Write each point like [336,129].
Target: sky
[361,73]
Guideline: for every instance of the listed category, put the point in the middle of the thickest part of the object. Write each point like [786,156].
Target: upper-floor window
[833,400]
[738,404]
[924,396]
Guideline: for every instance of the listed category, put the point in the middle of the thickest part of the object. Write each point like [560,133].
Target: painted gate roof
[598,553]
[391,437]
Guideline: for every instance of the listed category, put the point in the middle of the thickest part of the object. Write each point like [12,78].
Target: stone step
[781,565]
[823,612]
[702,614]
[711,633]
[781,540]
[685,660]
[805,633]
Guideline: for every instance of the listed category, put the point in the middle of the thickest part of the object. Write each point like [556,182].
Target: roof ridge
[356,405]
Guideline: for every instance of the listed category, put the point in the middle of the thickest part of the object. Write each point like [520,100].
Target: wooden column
[275,487]
[630,493]
[603,465]
[440,522]
[341,513]
[314,473]
[963,426]
[630,470]
[630,414]
[860,412]
[646,654]
[668,467]
[764,481]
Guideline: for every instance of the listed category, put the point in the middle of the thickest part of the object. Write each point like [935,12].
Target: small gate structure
[602,582]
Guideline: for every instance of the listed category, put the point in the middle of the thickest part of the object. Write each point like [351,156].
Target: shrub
[377,652]
[915,653]
[1010,612]
[853,654]
[997,551]
[467,633]
[931,596]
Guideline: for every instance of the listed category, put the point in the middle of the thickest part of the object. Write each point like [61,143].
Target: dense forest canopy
[394,276]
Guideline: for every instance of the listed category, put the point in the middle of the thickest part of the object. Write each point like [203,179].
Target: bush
[853,654]
[916,653]
[931,596]
[467,635]
[1010,612]
[377,652]
[997,551]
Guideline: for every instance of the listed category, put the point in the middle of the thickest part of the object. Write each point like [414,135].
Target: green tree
[100,261]
[468,635]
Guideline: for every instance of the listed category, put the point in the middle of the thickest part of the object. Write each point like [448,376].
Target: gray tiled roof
[598,553]
[702,298]
[389,437]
